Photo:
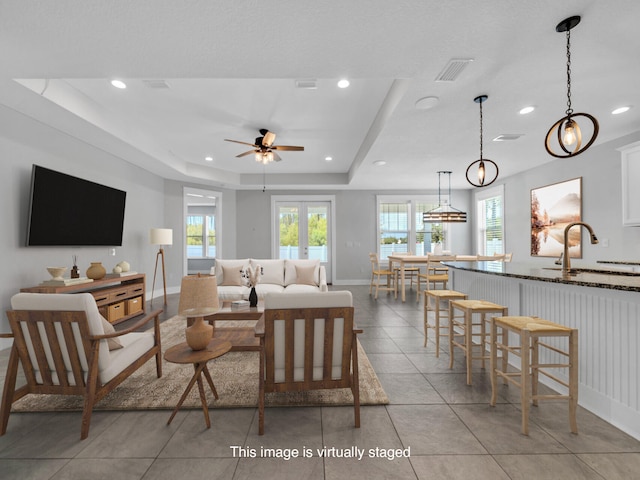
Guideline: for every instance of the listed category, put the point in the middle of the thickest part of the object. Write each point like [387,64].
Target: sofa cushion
[290,275]
[242,264]
[263,288]
[229,293]
[272,270]
[231,276]
[299,288]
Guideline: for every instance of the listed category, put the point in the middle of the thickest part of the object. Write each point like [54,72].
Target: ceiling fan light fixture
[482,162]
[567,131]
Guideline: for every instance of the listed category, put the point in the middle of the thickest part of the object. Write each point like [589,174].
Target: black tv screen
[70,211]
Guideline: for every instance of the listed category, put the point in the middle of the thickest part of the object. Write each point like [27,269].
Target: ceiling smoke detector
[155,83]
[307,84]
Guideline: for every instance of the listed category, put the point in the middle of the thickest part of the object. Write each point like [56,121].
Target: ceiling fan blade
[246,153]
[290,148]
[243,143]
[268,139]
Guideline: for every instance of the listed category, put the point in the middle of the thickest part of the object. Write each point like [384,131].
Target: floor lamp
[160,236]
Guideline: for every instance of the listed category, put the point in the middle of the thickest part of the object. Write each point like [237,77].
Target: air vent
[505,137]
[307,84]
[156,83]
[453,69]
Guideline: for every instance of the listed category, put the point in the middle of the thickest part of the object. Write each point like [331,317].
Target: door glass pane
[289,236]
[317,232]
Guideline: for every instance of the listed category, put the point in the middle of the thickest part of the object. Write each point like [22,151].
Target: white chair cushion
[135,345]
[228,293]
[242,264]
[69,302]
[308,300]
[272,270]
[290,274]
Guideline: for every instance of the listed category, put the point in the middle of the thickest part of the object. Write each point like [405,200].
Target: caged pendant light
[567,131]
[482,162]
[444,213]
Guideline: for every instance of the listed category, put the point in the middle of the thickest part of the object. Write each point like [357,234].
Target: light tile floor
[447,427]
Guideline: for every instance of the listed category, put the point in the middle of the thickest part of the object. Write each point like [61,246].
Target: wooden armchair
[308,342]
[61,342]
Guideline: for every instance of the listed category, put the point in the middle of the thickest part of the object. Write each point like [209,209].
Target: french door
[303,230]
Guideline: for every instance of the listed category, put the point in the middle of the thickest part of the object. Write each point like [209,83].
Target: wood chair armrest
[6,335]
[152,316]
[259,328]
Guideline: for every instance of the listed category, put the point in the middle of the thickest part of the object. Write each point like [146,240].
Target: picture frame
[553,207]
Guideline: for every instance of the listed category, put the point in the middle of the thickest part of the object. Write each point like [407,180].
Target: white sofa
[301,276]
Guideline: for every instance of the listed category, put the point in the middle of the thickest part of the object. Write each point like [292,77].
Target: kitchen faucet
[566,261]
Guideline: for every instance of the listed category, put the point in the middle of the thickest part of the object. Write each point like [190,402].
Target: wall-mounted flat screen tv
[69,211]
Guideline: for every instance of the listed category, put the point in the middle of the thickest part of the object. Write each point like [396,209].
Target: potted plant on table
[251,277]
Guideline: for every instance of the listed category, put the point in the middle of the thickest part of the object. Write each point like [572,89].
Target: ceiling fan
[264,147]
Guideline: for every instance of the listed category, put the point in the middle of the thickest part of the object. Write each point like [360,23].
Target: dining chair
[380,275]
[436,273]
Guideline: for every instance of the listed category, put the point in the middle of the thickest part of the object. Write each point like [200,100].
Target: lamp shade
[161,236]
[198,292]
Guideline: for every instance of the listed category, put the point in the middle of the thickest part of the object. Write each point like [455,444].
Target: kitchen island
[601,302]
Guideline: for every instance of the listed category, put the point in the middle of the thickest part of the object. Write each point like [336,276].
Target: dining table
[403,261]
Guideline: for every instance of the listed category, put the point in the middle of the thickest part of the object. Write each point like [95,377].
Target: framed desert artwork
[553,207]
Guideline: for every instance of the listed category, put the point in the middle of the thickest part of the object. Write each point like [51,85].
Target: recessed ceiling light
[209,159]
[328,159]
[525,110]
[426,103]
[118,84]
[379,163]
[621,110]
[344,83]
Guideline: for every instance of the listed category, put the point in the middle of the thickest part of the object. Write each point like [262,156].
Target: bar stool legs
[433,301]
[530,330]
[465,329]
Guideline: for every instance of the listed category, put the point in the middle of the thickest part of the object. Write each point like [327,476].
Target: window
[400,226]
[201,236]
[490,227]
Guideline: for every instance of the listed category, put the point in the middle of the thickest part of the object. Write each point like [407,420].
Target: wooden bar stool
[463,326]
[438,297]
[530,330]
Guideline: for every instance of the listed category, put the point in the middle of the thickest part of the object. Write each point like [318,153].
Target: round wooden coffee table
[182,353]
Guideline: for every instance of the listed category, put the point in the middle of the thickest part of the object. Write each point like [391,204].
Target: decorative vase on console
[96,271]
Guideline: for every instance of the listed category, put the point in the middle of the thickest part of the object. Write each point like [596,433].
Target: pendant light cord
[569,109]
[481,130]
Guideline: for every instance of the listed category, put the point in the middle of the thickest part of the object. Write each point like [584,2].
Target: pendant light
[482,162]
[444,213]
[567,131]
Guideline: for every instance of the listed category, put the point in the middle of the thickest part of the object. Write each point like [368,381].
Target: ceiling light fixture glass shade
[486,167]
[444,213]
[264,157]
[566,131]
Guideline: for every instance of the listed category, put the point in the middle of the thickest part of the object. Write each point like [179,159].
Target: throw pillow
[306,275]
[231,276]
[114,343]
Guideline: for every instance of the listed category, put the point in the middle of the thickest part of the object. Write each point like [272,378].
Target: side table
[182,353]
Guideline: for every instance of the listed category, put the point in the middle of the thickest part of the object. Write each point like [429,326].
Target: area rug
[235,376]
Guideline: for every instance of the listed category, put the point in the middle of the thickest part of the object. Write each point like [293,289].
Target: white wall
[24,142]
[600,169]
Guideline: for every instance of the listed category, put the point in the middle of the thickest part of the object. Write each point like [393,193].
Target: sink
[575,271]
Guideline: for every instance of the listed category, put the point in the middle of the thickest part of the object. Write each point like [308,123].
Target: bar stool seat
[465,328]
[439,297]
[530,330]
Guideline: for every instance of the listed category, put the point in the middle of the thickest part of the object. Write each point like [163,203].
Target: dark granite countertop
[619,262]
[586,276]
